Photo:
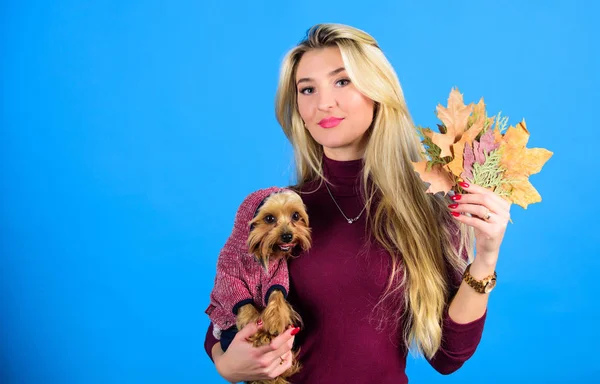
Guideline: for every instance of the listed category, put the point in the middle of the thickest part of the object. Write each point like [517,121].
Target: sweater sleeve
[277,279]
[233,284]
[231,289]
[239,277]
[459,341]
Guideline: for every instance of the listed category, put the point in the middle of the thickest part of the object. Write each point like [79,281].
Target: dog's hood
[253,202]
[263,194]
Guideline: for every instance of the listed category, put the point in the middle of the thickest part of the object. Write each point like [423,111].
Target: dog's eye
[269,219]
[296,216]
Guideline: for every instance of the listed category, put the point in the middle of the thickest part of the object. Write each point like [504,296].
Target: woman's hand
[244,362]
[490,216]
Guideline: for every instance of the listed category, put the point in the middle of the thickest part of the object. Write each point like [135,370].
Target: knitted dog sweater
[240,278]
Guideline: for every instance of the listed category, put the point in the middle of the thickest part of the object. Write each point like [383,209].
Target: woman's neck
[345,175]
[344,153]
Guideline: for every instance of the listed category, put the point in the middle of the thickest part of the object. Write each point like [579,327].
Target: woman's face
[336,114]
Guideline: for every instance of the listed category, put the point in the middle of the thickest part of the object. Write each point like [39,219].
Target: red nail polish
[455,197]
[259,322]
[455,214]
[463,184]
[295,331]
[453,206]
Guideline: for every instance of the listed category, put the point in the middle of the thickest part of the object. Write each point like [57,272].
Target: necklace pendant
[350,221]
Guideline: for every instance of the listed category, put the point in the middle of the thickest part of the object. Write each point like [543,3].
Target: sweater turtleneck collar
[344,175]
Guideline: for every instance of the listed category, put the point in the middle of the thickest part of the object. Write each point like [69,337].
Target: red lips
[330,122]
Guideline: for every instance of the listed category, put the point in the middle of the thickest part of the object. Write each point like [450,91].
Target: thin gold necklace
[350,221]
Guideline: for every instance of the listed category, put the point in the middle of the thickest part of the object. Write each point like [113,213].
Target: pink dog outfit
[241,279]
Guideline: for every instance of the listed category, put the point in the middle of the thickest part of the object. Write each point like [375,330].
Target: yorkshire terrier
[279,229]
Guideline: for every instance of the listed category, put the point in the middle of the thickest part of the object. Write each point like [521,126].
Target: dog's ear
[304,215]
[254,250]
[253,243]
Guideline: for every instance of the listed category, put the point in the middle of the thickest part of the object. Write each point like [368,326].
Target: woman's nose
[326,100]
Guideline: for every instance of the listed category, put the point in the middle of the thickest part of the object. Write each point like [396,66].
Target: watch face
[489,286]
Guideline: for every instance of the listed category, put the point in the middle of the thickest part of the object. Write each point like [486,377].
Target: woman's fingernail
[259,322]
[453,206]
[456,197]
[455,214]
[463,184]
[295,331]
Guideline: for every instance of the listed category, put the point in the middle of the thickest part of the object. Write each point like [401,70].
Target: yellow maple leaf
[521,162]
[438,177]
[455,118]
[478,111]
[523,193]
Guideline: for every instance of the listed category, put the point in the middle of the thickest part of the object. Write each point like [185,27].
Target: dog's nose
[286,237]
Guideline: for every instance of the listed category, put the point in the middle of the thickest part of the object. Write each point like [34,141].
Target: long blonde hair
[414,227]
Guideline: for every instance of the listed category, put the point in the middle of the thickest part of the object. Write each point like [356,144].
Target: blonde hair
[414,227]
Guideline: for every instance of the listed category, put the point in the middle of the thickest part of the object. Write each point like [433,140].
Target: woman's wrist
[481,271]
[216,351]
[217,356]
[483,265]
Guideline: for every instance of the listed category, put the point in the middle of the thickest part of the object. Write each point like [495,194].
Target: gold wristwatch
[482,286]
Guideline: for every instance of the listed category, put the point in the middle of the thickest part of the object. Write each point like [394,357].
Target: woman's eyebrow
[332,73]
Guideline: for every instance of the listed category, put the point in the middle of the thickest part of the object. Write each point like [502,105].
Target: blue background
[131,131]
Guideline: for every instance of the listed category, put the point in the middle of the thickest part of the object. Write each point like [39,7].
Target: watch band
[482,286]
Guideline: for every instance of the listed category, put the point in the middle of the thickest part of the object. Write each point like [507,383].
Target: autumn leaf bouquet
[473,147]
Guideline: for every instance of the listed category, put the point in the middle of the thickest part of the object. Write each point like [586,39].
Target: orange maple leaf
[455,118]
[439,179]
[521,162]
[462,124]
[456,166]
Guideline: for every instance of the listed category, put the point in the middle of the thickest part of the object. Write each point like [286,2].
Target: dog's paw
[276,326]
[277,318]
[246,314]
[260,338]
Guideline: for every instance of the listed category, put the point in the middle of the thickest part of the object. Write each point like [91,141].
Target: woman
[385,271]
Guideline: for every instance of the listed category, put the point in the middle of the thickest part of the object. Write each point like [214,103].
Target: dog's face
[280,228]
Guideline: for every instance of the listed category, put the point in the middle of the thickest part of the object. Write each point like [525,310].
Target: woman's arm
[489,215]
[463,322]
[469,305]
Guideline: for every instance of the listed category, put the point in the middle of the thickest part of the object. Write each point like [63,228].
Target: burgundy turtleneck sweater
[334,287]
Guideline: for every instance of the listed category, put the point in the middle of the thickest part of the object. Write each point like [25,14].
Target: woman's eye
[296,216]
[343,82]
[269,219]
[307,90]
